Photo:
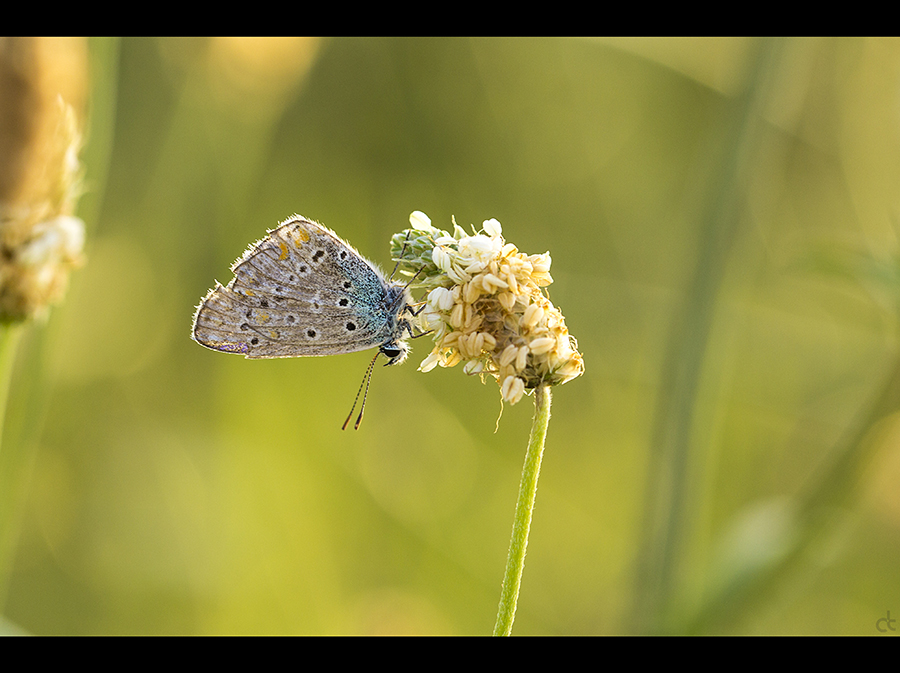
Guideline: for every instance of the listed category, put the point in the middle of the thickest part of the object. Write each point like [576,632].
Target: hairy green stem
[515,562]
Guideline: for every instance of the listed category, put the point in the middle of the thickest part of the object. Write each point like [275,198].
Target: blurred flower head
[41,240]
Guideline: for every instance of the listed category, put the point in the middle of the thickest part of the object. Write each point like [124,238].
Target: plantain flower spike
[41,240]
[486,308]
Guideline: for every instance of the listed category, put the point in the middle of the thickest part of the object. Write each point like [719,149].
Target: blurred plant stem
[9,341]
[669,509]
[515,562]
[44,85]
[104,79]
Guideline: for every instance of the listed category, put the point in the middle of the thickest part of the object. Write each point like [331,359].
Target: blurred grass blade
[668,510]
[9,462]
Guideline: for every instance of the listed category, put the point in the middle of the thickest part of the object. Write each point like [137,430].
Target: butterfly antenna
[413,278]
[400,257]
[365,384]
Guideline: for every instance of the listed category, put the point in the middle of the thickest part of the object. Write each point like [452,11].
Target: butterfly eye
[394,351]
[391,351]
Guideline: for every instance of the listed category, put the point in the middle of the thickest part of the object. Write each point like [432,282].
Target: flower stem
[9,472]
[515,562]
[9,339]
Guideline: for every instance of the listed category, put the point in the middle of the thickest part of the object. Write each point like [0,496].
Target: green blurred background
[721,215]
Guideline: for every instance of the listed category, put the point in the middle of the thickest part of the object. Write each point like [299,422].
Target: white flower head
[486,308]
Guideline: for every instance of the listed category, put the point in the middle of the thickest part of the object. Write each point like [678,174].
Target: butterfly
[304,291]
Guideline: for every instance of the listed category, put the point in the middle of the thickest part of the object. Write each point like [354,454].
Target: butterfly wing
[300,291]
